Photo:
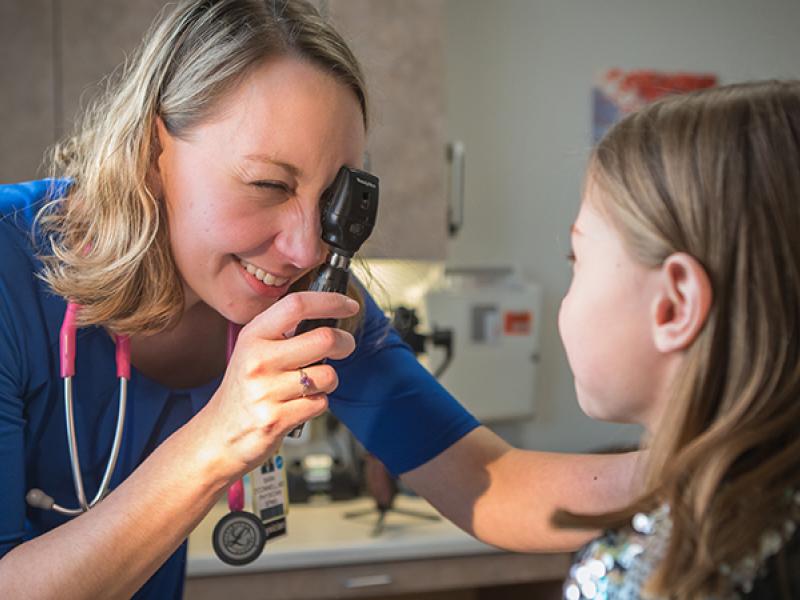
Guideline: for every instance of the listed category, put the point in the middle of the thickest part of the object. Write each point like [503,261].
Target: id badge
[270,498]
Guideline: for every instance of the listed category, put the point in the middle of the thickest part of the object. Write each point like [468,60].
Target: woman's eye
[571,257]
[273,185]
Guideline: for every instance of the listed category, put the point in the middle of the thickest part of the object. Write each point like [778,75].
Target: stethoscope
[66,343]
[67,347]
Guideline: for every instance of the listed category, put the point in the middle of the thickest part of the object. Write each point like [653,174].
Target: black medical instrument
[348,214]
[349,210]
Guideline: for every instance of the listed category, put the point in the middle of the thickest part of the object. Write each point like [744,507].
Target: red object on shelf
[518,322]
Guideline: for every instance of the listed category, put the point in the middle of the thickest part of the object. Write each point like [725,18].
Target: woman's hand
[262,396]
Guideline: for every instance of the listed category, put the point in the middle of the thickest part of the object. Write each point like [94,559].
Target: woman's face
[243,189]
[604,322]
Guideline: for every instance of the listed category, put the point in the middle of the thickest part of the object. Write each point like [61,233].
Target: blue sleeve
[18,205]
[12,414]
[391,403]
[21,201]
[12,440]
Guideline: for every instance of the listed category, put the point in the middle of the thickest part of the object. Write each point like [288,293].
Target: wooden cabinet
[54,53]
[495,577]
[401,49]
[95,39]
[329,555]
[29,84]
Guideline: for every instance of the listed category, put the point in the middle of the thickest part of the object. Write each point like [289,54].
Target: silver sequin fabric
[616,565]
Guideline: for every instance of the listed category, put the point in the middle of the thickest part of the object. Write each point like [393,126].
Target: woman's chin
[242,313]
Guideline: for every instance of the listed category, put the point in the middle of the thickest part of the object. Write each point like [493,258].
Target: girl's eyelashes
[571,257]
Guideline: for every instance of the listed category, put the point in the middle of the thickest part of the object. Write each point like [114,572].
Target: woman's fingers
[275,420]
[299,383]
[287,312]
[273,384]
[303,410]
[305,349]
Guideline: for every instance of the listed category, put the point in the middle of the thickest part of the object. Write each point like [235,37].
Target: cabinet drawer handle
[367,581]
[455,195]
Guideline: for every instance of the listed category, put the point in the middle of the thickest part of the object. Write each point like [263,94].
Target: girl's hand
[261,397]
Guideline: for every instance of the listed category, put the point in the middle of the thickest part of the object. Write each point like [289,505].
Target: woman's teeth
[263,276]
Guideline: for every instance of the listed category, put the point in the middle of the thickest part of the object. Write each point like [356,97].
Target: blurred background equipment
[405,321]
[492,315]
[383,488]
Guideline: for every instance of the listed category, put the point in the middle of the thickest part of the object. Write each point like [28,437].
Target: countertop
[320,536]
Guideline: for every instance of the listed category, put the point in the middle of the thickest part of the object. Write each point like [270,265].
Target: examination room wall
[519,77]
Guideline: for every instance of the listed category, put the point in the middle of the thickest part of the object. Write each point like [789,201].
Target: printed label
[269,496]
[518,323]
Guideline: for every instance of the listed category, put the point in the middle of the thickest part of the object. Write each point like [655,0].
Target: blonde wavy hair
[109,246]
[716,174]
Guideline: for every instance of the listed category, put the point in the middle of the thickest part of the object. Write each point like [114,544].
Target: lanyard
[236,490]
[239,537]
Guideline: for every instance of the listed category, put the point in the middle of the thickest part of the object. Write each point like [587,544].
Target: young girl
[684,316]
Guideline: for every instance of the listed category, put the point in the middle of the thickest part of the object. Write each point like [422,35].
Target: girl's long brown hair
[109,248]
[716,174]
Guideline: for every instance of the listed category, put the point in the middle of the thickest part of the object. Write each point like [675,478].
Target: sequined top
[616,565]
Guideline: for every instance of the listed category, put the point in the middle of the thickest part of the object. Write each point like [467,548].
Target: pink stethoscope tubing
[66,342]
[236,489]
[67,350]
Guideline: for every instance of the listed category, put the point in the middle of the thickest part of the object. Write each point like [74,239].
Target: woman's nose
[300,237]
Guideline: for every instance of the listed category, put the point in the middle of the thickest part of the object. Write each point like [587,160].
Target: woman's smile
[263,283]
[263,276]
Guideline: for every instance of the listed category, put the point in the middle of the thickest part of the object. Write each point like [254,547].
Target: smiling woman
[210,69]
[259,218]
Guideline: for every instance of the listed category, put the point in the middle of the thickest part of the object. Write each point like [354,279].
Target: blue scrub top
[392,404]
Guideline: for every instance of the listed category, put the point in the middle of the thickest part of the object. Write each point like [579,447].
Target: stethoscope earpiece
[38,499]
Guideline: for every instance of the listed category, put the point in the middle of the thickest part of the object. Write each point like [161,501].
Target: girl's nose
[299,239]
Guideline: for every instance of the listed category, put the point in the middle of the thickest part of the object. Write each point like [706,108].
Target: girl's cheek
[576,339]
[566,315]
[560,320]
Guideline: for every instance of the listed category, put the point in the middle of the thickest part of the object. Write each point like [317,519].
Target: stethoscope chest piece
[239,538]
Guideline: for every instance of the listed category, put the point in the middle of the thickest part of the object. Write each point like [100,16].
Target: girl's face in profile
[243,189]
[604,321]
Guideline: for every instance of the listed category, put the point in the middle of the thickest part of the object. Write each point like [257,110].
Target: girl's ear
[682,303]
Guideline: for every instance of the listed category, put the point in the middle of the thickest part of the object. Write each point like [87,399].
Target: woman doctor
[188,200]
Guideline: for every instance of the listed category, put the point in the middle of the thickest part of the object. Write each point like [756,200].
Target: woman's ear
[682,302]
[158,142]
